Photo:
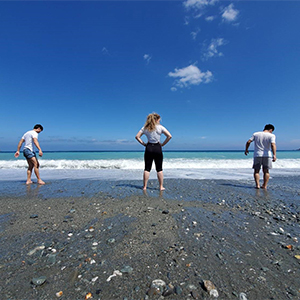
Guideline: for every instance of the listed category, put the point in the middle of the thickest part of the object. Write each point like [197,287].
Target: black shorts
[153,152]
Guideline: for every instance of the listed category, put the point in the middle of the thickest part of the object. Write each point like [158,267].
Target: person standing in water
[153,130]
[264,146]
[30,138]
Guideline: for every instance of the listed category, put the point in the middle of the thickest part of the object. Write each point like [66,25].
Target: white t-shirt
[154,136]
[28,137]
[262,143]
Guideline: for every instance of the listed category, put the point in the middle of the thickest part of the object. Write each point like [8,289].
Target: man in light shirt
[30,138]
[264,153]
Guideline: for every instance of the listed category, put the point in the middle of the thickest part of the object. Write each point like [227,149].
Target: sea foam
[138,164]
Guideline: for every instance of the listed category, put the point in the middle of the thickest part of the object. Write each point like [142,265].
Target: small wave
[138,164]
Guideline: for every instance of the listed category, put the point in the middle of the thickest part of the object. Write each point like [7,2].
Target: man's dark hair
[269,127]
[37,126]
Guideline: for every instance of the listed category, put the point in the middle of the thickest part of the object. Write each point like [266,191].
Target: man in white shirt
[30,138]
[264,153]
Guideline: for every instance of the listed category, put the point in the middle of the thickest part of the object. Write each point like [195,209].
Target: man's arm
[19,147]
[247,147]
[273,146]
[36,142]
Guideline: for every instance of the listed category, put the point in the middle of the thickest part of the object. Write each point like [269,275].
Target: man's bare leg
[256,178]
[145,179]
[29,171]
[36,166]
[160,177]
[266,178]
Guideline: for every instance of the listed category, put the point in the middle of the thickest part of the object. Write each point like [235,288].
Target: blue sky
[90,72]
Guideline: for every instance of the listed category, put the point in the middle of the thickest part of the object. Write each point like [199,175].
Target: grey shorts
[265,162]
[28,153]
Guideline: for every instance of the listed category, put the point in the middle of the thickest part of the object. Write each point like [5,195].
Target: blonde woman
[153,130]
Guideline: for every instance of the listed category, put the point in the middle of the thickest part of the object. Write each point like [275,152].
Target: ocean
[114,165]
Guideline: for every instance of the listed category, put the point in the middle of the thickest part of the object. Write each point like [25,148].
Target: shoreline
[51,176]
[80,232]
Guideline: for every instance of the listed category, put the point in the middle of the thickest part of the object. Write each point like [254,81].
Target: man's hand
[274,158]
[247,147]
[17,154]
[40,153]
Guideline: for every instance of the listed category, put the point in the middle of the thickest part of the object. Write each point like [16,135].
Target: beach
[103,239]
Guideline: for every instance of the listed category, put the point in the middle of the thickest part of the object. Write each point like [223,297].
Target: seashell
[59,294]
[36,249]
[243,296]
[157,286]
[115,273]
[211,289]
[88,296]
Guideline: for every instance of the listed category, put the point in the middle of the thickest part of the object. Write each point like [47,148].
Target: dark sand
[242,239]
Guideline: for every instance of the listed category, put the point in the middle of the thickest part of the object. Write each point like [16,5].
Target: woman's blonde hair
[151,121]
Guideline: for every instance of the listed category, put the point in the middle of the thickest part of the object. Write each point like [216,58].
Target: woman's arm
[138,138]
[168,137]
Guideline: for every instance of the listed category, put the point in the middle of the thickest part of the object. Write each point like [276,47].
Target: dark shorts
[265,162]
[153,152]
[28,153]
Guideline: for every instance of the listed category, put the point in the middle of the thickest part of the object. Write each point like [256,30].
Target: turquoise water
[130,165]
[109,155]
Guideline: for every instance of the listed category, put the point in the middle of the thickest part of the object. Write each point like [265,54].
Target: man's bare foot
[41,182]
[257,187]
[144,188]
[263,187]
[29,182]
[162,189]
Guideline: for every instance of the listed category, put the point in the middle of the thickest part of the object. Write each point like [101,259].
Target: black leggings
[153,152]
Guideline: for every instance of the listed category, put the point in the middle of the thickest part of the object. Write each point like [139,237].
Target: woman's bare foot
[29,182]
[41,182]
[162,188]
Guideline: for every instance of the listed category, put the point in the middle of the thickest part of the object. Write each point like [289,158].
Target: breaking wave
[135,164]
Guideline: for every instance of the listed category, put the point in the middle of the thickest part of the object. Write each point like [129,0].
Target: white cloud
[229,13]
[186,20]
[212,49]
[190,75]
[198,4]
[85,140]
[195,33]
[147,58]
[173,89]
[210,18]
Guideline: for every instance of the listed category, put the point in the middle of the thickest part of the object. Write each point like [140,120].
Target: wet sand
[74,235]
